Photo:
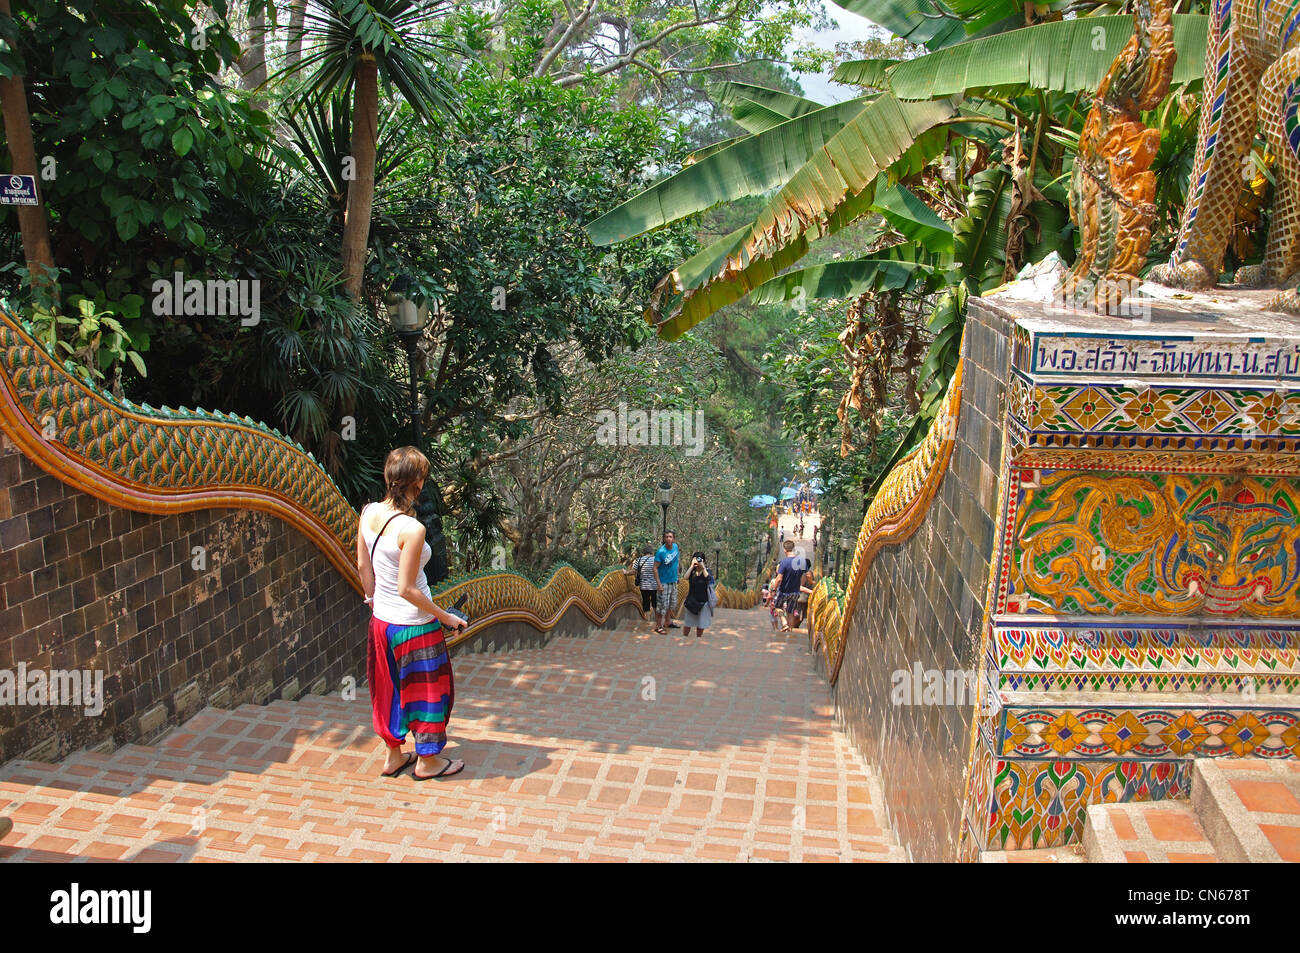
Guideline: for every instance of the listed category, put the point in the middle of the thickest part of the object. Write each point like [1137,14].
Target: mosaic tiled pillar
[1144,605]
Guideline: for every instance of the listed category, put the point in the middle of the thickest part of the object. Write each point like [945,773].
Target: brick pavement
[620,746]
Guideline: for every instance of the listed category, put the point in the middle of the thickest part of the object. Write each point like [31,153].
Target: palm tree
[349,46]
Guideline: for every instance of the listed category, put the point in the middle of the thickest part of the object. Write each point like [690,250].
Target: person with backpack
[701,597]
[789,573]
[643,571]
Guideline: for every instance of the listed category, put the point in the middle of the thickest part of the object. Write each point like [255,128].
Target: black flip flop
[446,772]
[392,774]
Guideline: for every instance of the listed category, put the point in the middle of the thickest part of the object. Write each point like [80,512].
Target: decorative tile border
[1043,804]
[1156,650]
[1196,728]
[1253,415]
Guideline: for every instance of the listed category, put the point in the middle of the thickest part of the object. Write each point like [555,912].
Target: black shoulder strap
[381,533]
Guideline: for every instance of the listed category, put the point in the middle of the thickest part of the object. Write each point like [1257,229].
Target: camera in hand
[457,611]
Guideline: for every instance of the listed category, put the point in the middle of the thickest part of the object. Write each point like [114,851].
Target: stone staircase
[1241,810]
[621,745]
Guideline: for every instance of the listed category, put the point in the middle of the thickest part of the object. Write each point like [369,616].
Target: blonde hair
[405,471]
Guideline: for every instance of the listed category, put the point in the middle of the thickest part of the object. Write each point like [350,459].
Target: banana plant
[987,84]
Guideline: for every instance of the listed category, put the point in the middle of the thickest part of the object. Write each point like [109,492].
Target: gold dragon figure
[1112,196]
[1252,77]
[160,460]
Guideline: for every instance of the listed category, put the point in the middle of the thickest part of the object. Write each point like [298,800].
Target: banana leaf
[680,303]
[1066,56]
[844,279]
[755,117]
[870,73]
[752,166]
[915,220]
[927,22]
[787,104]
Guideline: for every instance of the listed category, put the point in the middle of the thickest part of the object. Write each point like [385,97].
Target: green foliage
[1066,56]
[91,336]
[339,33]
[134,132]
[492,233]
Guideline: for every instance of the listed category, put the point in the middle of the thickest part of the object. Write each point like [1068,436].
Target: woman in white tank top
[409,669]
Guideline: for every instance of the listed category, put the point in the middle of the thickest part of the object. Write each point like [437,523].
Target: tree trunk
[32,221]
[297,16]
[361,190]
[252,65]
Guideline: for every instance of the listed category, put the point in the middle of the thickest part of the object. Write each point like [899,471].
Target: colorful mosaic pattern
[1183,727]
[1146,604]
[1254,416]
[1251,64]
[1034,804]
[1148,659]
[1105,543]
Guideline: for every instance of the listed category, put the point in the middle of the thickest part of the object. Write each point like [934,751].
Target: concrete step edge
[1235,837]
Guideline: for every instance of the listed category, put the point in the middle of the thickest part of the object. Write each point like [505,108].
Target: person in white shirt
[411,685]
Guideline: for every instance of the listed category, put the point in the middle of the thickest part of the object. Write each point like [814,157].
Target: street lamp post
[409,319]
[845,543]
[717,554]
[665,498]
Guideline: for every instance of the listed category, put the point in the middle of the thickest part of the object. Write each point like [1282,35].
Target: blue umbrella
[816,487]
[788,493]
[762,500]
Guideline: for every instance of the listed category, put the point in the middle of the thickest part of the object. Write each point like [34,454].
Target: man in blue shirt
[789,575]
[666,564]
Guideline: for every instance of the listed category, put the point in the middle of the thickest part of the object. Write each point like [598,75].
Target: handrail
[161,461]
[895,514]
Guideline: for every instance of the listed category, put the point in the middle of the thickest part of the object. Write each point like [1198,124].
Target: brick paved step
[1146,832]
[1071,854]
[1249,808]
[1241,810]
[735,758]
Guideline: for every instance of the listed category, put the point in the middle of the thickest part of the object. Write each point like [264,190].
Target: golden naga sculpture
[1252,76]
[171,461]
[898,510]
[1112,197]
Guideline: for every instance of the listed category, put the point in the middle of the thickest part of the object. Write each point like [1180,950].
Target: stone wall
[921,610]
[216,607]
